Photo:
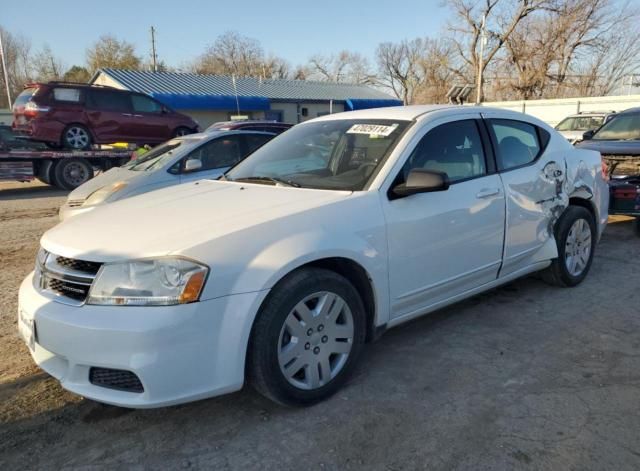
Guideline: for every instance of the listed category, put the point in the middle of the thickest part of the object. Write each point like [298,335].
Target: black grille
[79,265]
[115,379]
[69,289]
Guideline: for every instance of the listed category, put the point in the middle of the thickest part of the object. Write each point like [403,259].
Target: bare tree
[234,54]
[46,66]
[109,52]
[344,67]
[580,47]
[400,67]
[501,19]
[437,62]
[17,50]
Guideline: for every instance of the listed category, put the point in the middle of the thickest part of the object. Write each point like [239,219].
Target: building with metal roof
[211,98]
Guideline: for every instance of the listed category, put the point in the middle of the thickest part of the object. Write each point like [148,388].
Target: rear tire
[69,174]
[44,171]
[575,235]
[307,337]
[76,137]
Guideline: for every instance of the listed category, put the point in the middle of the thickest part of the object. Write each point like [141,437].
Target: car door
[216,157]
[109,115]
[532,185]
[150,122]
[444,243]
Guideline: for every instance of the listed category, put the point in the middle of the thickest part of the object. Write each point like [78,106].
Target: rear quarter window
[70,95]
[25,96]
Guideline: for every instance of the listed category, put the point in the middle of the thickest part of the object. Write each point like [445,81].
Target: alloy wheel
[315,340]
[577,247]
[77,137]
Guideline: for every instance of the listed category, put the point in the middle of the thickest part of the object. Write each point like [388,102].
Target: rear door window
[143,104]
[105,100]
[517,142]
[219,153]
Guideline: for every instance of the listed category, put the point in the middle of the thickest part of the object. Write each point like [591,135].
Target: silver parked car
[180,160]
[573,127]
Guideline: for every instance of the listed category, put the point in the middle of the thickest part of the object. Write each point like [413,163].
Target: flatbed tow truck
[64,169]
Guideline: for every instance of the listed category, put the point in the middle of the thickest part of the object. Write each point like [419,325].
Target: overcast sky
[293,30]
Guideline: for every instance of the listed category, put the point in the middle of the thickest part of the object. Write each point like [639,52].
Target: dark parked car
[619,143]
[76,116]
[250,125]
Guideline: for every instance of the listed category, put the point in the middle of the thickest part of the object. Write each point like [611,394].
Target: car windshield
[155,158]
[338,155]
[580,123]
[625,127]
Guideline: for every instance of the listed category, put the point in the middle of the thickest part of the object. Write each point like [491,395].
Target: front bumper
[179,353]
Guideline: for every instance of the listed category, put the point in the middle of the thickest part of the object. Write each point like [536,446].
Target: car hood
[612,147]
[116,174]
[173,219]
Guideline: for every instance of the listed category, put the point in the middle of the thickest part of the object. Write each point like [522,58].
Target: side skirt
[467,294]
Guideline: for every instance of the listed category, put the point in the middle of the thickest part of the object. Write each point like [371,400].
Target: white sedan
[328,235]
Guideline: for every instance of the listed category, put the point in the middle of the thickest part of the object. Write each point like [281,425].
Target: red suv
[76,116]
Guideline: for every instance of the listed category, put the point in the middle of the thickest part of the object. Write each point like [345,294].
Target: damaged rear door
[533,180]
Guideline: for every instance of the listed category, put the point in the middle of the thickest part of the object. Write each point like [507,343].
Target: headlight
[99,196]
[148,282]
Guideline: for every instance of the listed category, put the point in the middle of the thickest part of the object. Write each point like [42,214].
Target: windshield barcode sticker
[372,129]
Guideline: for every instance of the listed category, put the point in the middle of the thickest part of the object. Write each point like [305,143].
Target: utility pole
[6,75]
[154,56]
[483,39]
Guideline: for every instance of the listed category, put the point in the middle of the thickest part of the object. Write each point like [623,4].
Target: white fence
[553,111]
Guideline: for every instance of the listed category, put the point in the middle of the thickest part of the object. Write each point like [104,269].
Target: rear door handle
[126,114]
[488,192]
[138,116]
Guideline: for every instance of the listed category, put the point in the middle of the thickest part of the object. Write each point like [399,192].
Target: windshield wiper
[268,179]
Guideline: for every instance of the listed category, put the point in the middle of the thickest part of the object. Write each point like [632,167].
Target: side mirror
[588,134]
[192,165]
[165,110]
[422,181]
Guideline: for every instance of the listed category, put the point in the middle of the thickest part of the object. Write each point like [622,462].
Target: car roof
[413,112]
[214,133]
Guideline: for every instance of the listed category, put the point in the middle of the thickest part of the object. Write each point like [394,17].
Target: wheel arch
[357,275]
[77,123]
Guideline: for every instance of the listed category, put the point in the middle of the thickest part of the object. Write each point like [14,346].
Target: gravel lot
[524,377]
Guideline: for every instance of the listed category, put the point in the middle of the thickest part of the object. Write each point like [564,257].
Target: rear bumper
[44,130]
[179,353]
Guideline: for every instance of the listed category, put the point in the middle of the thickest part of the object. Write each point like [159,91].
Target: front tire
[307,337]
[575,236]
[182,131]
[636,226]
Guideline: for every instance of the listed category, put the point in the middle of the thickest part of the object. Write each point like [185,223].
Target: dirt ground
[524,377]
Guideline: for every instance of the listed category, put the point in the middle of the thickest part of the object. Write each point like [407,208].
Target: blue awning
[366,103]
[212,102]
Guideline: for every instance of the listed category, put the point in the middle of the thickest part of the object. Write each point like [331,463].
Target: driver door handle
[488,192]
